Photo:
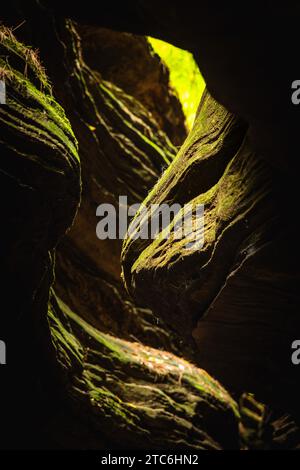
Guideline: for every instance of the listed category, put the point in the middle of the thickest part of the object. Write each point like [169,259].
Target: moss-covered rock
[104,384]
[123,152]
[76,386]
[198,175]
[40,176]
[128,61]
[230,292]
[39,196]
[136,396]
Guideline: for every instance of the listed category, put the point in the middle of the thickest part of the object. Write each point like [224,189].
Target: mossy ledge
[236,282]
[39,195]
[139,393]
[123,390]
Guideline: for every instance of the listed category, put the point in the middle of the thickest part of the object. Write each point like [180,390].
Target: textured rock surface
[237,297]
[250,74]
[260,428]
[129,62]
[133,395]
[215,139]
[232,293]
[40,175]
[40,190]
[99,385]
[123,152]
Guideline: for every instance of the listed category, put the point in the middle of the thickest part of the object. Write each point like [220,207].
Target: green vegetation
[142,391]
[185,76]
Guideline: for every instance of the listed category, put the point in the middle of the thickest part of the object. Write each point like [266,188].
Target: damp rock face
[132,395]
[40,170]
[106,389]
[192,178]
[123,152]
[80,380]
[40,192]
[128,61]
[231,293]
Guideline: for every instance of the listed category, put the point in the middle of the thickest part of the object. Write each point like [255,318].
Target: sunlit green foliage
[185,76]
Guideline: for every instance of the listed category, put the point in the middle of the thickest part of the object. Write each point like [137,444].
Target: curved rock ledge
[137,393]
[231,293]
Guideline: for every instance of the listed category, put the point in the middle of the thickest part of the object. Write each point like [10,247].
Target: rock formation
[91,364]
[242,276]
